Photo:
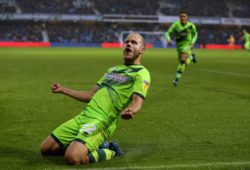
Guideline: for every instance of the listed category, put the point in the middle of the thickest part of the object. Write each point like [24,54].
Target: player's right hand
[192,46]
[56,88]
[170,42]
[127,114]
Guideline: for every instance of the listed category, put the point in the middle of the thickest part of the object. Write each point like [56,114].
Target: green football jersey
[116,88]
[247,37]
[184,34]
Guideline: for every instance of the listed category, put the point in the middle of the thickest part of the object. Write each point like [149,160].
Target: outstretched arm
[134,107]
[168,33]
[84,96]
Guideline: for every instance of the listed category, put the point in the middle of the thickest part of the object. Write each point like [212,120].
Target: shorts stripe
[80,140]
[57,140]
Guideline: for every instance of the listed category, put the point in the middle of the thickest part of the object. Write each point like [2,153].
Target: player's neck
[131,63]
[183,24]
[136,60]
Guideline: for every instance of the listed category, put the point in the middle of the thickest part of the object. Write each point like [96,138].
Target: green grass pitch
[204,123]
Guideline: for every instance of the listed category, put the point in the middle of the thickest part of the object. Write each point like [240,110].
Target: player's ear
[142,50]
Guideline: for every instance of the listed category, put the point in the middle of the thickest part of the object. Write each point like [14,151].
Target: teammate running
[246,40]
[186,35]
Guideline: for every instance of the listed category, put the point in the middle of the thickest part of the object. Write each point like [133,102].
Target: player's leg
[86,146]
[60,138]
[105,152]
[101,155]
[114,146]
[185,57]
[76,153]
[247,46]
[181,67]
[193,58]
[50,147]
[85,149]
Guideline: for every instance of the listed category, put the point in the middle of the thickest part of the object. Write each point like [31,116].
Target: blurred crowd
[20,32]
[106,32]
[95,32]
[220,8]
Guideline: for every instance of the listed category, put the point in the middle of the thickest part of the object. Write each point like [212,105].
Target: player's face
[132,48]
[183,18]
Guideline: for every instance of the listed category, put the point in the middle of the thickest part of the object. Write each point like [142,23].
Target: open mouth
[128,50]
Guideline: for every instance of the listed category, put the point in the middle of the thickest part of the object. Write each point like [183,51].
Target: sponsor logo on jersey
[116,77]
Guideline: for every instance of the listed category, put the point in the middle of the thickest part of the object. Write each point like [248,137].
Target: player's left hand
[127,114]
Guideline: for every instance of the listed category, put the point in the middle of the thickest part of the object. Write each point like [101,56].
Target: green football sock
[188,60]
[180,70]
[101,155]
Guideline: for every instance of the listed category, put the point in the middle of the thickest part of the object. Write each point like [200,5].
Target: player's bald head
[138,37]
[133,48]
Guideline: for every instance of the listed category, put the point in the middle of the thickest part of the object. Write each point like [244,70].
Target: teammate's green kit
[100,118]
[185,36]
[247,41]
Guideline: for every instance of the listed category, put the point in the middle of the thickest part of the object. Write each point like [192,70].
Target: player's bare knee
[72,158]
[183,58]
[44,149]
[50,147]
[85,160]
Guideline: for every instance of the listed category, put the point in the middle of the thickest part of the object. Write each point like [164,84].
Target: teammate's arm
[83,96]
[134,107]
[194,35]
[168,33]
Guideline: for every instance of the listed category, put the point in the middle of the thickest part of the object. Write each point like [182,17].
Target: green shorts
[247,45]
[184,49]
[89,131]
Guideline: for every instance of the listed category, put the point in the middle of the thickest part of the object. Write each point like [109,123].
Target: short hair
[142,38]
[143,41]
[183,12]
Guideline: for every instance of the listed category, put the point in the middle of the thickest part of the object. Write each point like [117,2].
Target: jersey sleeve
[99,82]
[194,34]
[142,83]
[169,32]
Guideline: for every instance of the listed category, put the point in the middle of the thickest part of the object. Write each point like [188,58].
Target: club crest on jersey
[146,85]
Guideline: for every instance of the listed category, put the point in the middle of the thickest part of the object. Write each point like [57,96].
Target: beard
[130,56]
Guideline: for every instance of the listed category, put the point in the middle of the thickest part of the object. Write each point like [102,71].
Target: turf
[201,124]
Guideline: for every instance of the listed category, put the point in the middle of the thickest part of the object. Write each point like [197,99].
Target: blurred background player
[185,35]
[246,39]
[119,93]
[231,41]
